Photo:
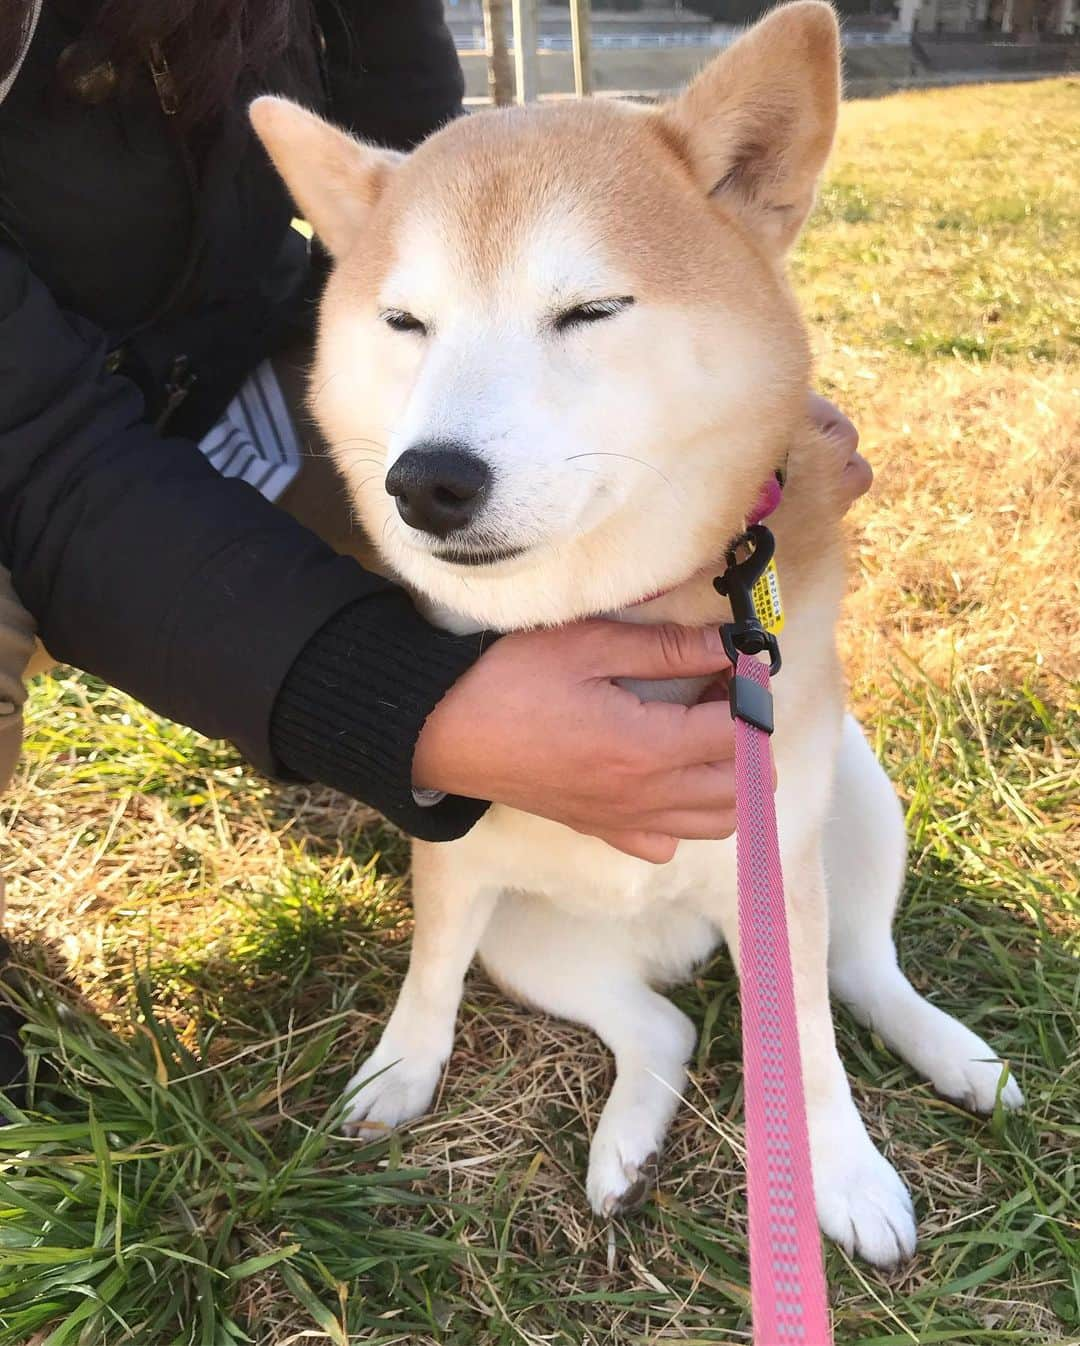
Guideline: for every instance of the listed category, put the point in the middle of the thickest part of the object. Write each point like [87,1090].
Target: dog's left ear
[334,179]
[757,124]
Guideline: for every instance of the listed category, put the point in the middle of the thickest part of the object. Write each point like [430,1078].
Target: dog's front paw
[863,1205]
[622,1165]
[389,1089]
[963,1069]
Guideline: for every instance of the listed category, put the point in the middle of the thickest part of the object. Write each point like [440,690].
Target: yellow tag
[767,602]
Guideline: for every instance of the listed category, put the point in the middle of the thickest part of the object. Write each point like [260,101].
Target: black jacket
[142,276]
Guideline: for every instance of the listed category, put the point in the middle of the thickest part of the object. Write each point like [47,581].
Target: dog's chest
[583,874]
[517,851]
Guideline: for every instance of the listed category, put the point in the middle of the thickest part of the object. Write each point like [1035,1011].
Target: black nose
[438,487]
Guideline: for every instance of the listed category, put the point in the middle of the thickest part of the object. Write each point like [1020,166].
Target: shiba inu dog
[534,292]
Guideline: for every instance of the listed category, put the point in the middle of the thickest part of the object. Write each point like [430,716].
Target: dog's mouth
[477,556]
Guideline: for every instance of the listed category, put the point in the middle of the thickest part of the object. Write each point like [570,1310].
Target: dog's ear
[757,124]
[334,179]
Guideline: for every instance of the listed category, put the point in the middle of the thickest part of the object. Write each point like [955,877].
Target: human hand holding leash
[539,723]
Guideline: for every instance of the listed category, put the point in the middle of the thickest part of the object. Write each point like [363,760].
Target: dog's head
[557,356]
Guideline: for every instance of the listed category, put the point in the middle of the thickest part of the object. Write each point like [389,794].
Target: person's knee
[11,725]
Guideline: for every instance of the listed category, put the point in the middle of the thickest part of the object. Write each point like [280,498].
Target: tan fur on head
[755,127]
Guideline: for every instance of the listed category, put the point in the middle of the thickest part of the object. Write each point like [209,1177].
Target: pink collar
[768,501]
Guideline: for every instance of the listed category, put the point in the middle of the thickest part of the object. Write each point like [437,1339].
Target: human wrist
[445,745]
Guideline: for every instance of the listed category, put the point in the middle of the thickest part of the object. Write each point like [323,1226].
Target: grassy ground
[204,955]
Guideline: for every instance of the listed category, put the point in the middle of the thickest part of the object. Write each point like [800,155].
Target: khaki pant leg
[16,648]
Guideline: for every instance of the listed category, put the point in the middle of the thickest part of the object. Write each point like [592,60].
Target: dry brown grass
[967,555]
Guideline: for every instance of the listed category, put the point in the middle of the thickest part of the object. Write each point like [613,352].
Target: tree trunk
[500,69]
[526,67]
[580,15]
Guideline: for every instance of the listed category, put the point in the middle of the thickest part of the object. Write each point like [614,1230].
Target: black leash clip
[744,634]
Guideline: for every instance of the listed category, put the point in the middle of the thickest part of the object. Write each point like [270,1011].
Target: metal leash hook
[744,634]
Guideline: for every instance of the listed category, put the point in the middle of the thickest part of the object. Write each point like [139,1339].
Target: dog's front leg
[861,1201]
[451,910]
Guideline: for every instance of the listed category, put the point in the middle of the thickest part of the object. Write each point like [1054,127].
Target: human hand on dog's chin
[540,724]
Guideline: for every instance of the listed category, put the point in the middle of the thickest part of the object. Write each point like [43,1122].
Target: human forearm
[354,703]
[143,566]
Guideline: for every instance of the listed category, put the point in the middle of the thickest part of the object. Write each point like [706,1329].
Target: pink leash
[787,1279]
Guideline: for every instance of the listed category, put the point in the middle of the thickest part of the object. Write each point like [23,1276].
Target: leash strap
[787,1278]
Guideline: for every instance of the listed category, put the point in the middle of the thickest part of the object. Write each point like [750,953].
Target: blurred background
[643,46]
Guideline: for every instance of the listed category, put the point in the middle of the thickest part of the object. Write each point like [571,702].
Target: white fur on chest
[516,851]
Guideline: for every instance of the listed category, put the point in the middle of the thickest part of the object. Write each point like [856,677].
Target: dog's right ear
[334,179]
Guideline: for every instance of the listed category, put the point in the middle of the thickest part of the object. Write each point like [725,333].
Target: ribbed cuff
[352,706]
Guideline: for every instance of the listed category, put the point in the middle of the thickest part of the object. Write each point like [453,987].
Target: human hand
[856,473]
[540,724]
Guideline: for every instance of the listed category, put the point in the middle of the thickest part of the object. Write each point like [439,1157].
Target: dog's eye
[594,311]
[401,321]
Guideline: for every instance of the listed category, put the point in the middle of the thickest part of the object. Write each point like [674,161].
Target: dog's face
[557,357]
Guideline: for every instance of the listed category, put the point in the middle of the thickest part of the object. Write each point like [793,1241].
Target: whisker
[313,455]
[315,394]
[600,453]
[356,439]
[366,458]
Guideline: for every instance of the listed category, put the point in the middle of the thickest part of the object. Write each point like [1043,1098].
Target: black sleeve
[140,564]
[392,68]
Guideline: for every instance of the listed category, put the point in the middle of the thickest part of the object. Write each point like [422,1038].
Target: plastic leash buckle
[744,634]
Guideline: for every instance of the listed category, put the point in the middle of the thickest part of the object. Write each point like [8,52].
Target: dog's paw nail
[384,1094]
[864,1206]
[617,1187]
[976,1090]
[644,1178]
[634,1195]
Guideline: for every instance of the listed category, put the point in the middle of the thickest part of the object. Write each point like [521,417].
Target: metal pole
[580,13]
[528,84]
[500,71]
